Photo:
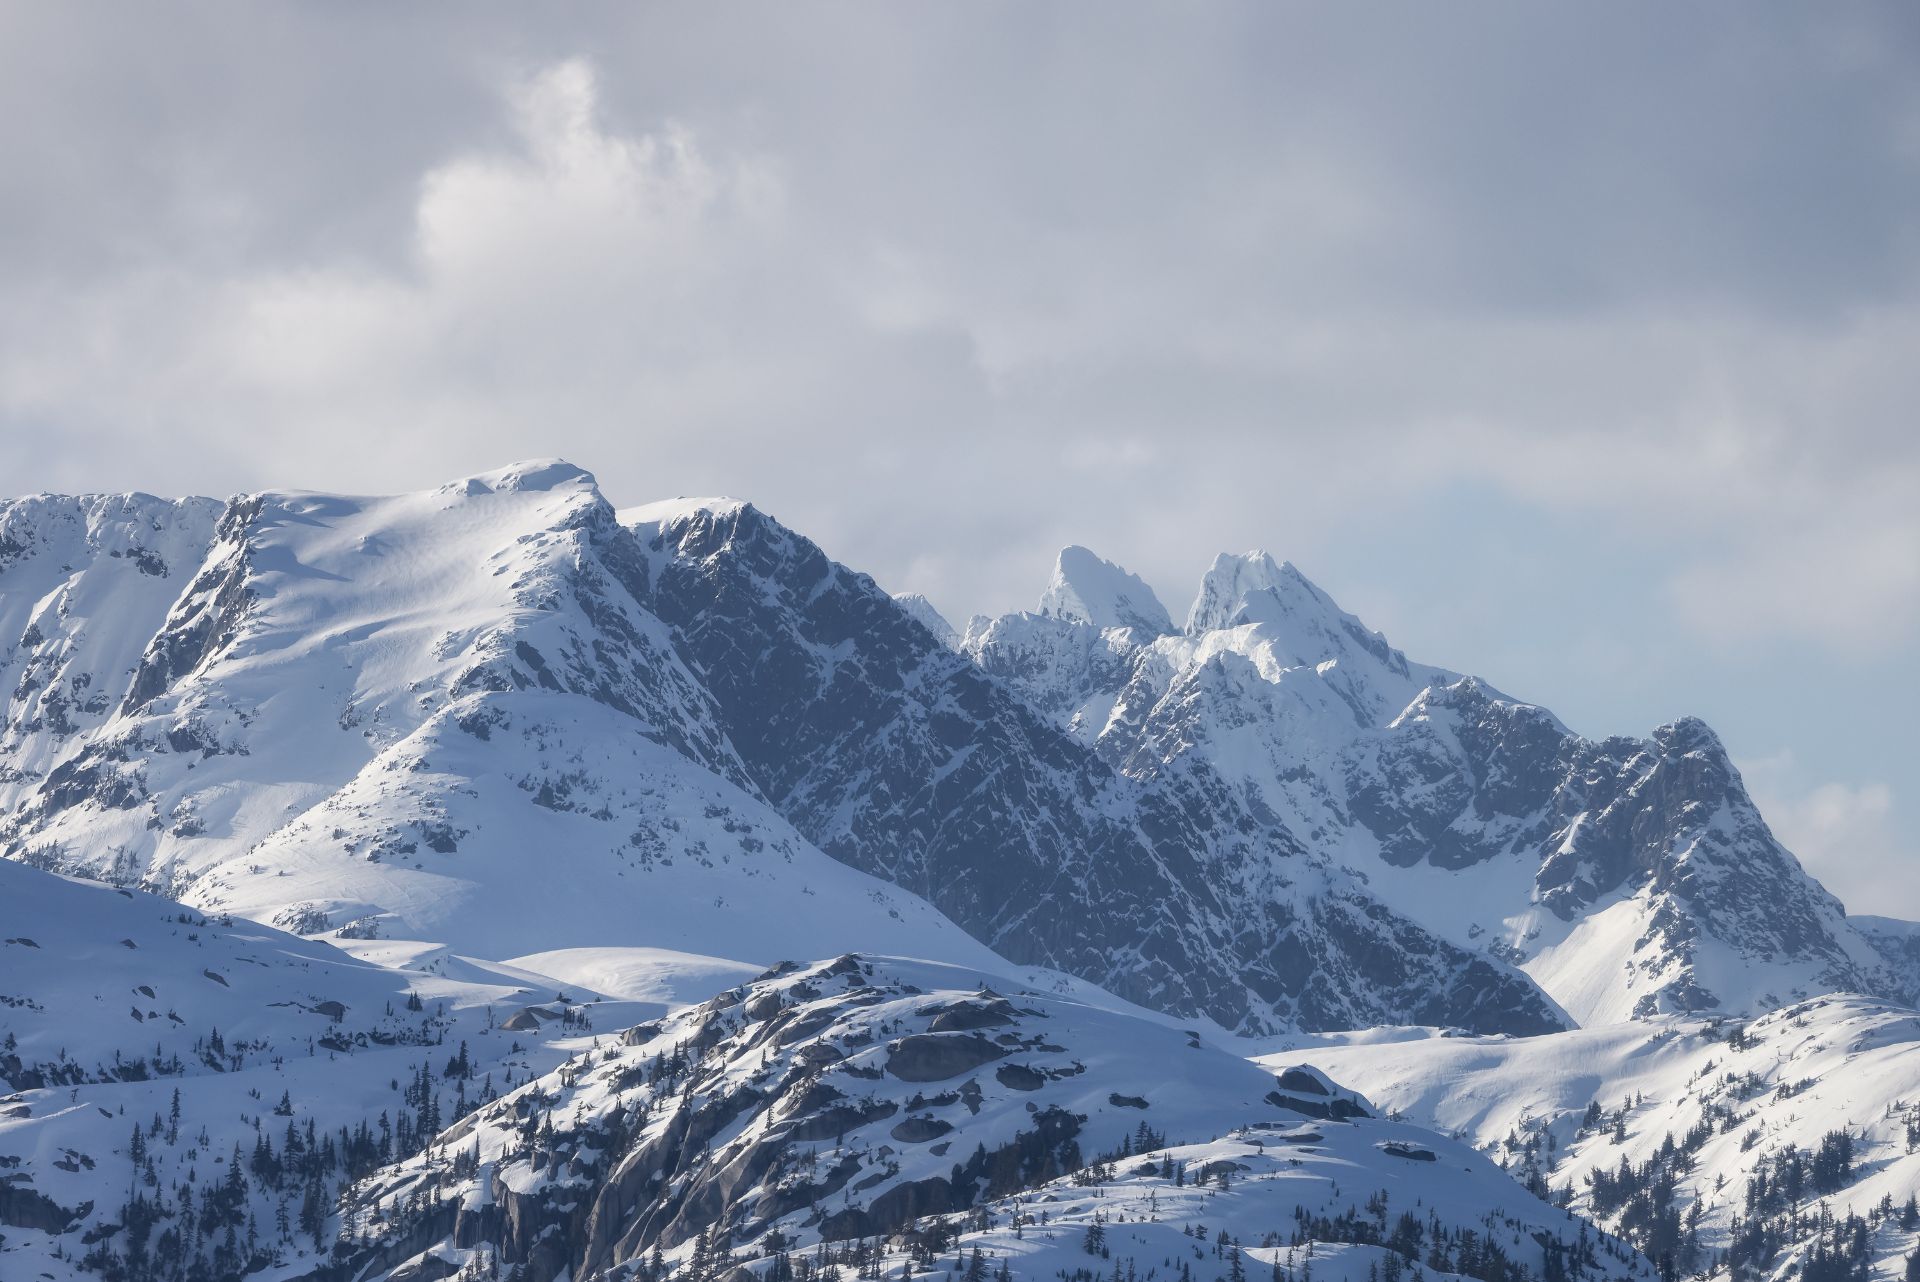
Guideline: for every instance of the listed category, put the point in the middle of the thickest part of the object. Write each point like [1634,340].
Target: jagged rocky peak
[1232,583]
[1087,589]
[928,616]
[1295,615]
[1252,587]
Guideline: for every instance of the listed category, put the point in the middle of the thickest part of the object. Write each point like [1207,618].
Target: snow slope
[439,717]
[1734,1096]
[115,1003]
[105,985]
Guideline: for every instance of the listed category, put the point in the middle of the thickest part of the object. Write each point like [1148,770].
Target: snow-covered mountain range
[371,809]
[1625,877]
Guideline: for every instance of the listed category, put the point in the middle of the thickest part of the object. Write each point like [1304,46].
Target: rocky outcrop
[768,1122]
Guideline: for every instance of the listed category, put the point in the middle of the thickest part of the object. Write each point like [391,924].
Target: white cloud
[1008,339]
[1586,383]
[1846,834]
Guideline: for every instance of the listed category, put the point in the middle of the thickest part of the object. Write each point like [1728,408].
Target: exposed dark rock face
[1473,778]
[208,616]
[931,1057]
[24,1207]
[918,1130]
[906,760]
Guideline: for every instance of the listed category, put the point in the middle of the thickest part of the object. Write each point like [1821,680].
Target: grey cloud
[950,288]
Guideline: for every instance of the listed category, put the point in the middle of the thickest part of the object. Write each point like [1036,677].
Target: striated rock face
[1626,876]
[804,1108]
[22,1207]
[1182,891]
[84,582]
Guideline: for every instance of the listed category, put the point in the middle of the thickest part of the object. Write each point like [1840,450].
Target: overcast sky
[1574,346]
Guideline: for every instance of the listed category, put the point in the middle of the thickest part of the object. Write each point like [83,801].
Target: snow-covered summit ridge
[531,475]
[1088,589]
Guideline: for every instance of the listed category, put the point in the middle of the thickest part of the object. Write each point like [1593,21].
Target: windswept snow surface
[659,977]
[439,717]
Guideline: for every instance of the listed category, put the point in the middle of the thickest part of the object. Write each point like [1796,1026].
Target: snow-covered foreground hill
[195,1098]
[143,1043]
[879,1114]
[1752,1145]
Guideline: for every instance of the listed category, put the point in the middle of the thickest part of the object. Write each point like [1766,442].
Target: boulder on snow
[934,1057]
